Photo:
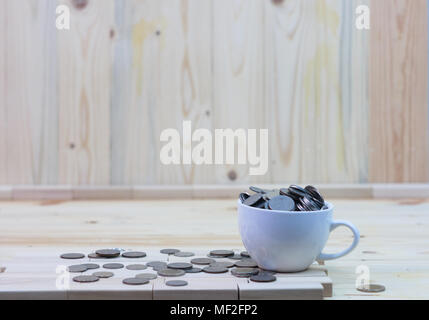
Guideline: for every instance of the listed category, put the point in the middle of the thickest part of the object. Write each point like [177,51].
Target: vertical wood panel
[87,106]
[238,79]
[354,81]
[169,77]
[85,58]
[398,91]
[308,118]
[28,92]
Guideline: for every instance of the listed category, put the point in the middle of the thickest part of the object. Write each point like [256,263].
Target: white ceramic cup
[289,241]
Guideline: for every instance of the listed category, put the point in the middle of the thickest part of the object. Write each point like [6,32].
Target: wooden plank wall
[87,106]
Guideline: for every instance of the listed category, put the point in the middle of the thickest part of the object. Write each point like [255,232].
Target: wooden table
[393,248]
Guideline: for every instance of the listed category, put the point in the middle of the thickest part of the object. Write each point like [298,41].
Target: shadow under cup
[285,241]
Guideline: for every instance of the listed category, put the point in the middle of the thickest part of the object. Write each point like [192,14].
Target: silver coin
[203,261]
[148,276]
[91,266]
[262,271]
[86,279]
[223,264]
[154,264]
[176,283]
[72,256]
[108,253]
[236,257]
[244,196]
[94,256]
[222,253]
[171,273]
[253,200]
[263,277]
[259,190]
[135,281]
[246,263]
[184,254]
[245,254]
[372,288]
[113,266]
[136,267]
[169,251]
[134,254]
[157,268]
[244,272]
[103,274]
[77,268]
[210,269]
[194,270]
[180,265]
[281,203]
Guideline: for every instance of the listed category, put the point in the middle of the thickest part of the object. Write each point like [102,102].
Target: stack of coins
[293,198]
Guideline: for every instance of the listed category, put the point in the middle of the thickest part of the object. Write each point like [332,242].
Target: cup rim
[330,207]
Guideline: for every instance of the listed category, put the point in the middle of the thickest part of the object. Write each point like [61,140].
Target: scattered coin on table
[156,264]
[171,273]
[136,267]
[193,270]
[184,254]
[372,288]
[135,281]
[72,256]
[94,256]
[108,253]
[236,257]
[294,198]
[113,266]
[244,272]
[246,263]
[215,269]
[86,279]
[263,277]
[103,274]
[91,266]
[221,253]
[78,268]
[179,265]
[245,254]
[223,264]
[169,251]
[176,283]
[147,276]
[203,261]
[134,254]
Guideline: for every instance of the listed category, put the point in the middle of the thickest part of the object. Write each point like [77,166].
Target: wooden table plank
[393,244]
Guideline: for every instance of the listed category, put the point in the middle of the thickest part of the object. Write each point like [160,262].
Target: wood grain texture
[28,105]
[398,92]
[85,59]
[87,106]
[310,122]
[166,54]
[354,57]
[238,78]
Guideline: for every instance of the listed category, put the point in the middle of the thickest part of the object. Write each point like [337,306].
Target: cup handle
[356,234]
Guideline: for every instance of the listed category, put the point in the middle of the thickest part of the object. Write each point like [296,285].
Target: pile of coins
[238,264]
[293,198]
